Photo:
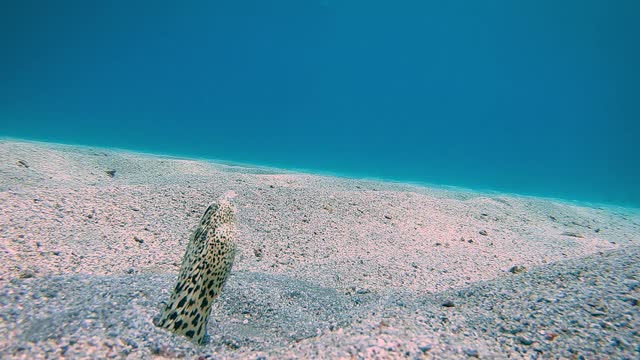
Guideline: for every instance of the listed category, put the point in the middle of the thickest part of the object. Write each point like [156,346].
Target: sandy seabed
[327,267]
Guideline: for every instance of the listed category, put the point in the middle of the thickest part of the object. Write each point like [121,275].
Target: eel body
[205,268]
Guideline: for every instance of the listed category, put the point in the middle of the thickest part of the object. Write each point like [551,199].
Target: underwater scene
[320,179]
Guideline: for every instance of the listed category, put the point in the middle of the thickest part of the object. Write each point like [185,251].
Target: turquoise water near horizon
[531,97]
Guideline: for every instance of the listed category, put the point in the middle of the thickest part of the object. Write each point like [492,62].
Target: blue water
[534,97]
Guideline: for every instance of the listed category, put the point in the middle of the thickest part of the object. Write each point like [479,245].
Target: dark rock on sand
[524,341]
[448,304]
[517,269]
[471,352]
[26,274]
[572,234]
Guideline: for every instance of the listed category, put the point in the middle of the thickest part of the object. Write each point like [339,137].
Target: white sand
[64,215]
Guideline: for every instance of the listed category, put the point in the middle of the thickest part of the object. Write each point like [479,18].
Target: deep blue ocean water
[534,97]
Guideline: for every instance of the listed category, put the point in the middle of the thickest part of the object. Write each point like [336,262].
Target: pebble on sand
[26,274]
[448,304]
[516,269]
[572,234]
[525,341]
[471,352]
[550,336]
